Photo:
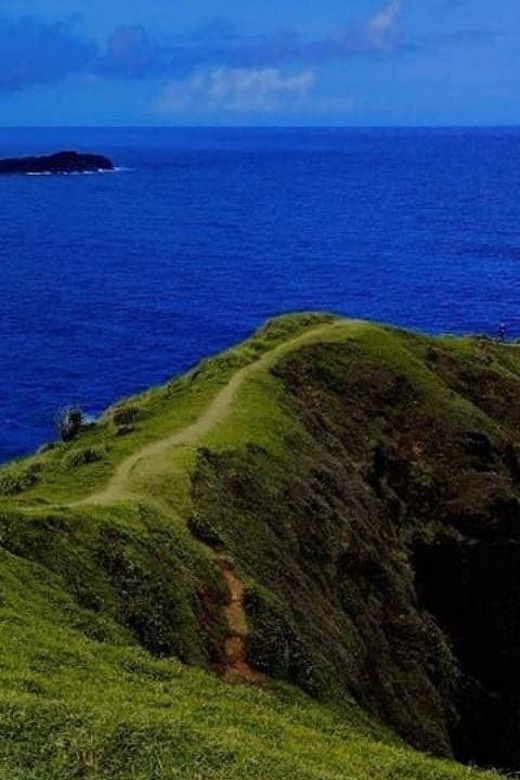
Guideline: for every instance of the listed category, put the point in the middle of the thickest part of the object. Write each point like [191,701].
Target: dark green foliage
[83,457]
[126,415]
[16,479]
[394,449]
[125,430]
[331,466]
[145,579]
[201,529]
[275,646]
[69,422]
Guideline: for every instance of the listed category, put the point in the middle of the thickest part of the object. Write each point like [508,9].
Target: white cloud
[387,17]
[383,27]
[380,34]
[235,90]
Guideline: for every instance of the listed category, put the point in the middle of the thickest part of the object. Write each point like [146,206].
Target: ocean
[115,282]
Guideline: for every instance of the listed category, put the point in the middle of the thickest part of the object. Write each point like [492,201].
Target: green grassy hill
[297,560]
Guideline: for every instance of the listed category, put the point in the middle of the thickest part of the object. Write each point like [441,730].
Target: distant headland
[61,162]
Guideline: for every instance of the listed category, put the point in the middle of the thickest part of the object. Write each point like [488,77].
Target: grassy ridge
[75,707]
[56,475]
[100,603]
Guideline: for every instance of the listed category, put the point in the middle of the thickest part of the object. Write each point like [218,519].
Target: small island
[61,162]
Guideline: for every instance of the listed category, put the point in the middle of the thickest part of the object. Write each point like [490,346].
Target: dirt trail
[236,669]
[120,484]
[118,487]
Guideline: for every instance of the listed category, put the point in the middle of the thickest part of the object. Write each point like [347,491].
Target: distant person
[502,330]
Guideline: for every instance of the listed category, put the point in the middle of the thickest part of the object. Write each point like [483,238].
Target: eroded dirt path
[237,669]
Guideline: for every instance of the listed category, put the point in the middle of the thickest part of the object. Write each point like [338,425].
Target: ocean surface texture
[113,282]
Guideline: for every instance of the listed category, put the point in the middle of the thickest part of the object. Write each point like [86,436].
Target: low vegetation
[319,457]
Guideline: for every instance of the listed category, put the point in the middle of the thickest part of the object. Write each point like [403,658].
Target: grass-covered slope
[273,517]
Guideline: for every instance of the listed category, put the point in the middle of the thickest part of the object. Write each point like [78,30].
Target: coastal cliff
[327,515]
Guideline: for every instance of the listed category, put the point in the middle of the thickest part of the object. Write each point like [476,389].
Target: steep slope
[332,504]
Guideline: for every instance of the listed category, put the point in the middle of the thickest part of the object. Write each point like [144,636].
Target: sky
[259,62]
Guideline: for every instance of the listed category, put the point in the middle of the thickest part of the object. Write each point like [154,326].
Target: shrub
[126,415]
[125,430]
[204,532]
[16,480]
[78,458]
[69,422]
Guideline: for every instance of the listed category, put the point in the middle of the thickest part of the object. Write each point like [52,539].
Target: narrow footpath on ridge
[235,668]
[119,486]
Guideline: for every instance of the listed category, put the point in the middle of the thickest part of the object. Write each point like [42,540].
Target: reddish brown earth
[236,668]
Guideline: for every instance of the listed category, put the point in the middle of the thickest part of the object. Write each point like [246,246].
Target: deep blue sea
[114,282]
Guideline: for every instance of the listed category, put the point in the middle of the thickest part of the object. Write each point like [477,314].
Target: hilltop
[297,560]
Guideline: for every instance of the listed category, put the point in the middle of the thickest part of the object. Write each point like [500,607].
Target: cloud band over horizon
[218,67]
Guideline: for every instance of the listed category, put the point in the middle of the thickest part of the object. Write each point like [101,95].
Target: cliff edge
[327,515]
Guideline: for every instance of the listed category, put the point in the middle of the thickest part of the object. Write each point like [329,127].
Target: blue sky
[260,62]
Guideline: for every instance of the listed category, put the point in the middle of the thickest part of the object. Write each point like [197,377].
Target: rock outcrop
[61,162]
